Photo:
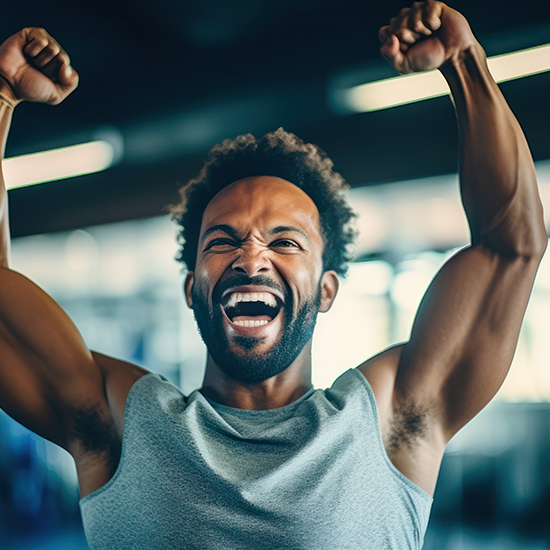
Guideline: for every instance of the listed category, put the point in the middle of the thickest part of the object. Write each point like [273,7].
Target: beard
[247,364]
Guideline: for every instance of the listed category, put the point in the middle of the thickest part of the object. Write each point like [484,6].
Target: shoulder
[410,429]
[381,374]
[118,378]
[97,429]
[97,425]
[403,417]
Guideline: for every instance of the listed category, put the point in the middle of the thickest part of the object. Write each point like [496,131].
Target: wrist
[469,63]
[469,78]
[7,94]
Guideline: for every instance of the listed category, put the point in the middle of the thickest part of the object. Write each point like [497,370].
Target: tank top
[194,474]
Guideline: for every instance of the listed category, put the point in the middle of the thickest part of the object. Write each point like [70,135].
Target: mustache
[241,279]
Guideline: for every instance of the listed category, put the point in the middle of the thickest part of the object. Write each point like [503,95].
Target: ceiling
[174,77]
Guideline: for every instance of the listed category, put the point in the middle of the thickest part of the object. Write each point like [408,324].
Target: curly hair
[280,154]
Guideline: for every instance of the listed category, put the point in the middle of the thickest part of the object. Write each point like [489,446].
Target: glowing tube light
[400,90]
[58,164]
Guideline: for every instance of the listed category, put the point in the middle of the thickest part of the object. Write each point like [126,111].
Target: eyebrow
[287,229]
[231,231]
[221,227]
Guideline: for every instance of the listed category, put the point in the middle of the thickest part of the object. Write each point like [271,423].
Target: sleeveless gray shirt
[314,474]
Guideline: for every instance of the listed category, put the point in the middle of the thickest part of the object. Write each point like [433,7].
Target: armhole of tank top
[129,399]
[403,478]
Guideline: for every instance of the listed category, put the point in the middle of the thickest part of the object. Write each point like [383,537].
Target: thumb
[391,52]
[390,48]
[67,75]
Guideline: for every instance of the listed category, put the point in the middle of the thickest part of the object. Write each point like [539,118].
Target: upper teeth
[264,297]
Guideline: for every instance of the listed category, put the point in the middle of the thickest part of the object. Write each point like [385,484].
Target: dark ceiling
[175,77]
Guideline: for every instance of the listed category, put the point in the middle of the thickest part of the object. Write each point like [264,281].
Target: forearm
[6,110]
[498,182]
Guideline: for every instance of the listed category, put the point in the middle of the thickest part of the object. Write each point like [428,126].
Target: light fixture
[400,90]
[56,164]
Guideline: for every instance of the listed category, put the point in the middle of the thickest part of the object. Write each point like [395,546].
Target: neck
[277,391]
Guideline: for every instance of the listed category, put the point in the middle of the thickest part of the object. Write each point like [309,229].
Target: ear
[187,286]
[329,289]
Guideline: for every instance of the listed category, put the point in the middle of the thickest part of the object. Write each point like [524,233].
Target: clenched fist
[425,36]
[34,67]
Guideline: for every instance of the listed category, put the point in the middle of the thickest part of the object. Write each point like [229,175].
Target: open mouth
[251,309]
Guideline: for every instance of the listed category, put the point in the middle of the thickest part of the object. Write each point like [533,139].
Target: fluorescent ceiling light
[400,90]
[57,164]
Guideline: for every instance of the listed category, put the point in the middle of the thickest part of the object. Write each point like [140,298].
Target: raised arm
[33,67]
[46,371]
[466,330]
[6,109]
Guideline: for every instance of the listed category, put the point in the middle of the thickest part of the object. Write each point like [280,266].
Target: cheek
[303,276]
[201,282]
[207,272]
[212,266]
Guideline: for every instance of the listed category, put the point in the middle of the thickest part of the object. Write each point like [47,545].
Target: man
[257,458]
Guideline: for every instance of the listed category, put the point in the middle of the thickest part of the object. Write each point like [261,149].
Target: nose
[251,260]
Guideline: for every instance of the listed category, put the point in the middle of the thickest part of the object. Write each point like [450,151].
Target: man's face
[258,283]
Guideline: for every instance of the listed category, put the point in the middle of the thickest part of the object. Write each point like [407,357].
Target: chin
[254,354]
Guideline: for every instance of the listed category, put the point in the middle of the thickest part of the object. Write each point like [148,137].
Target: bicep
[465,334]
[46,369]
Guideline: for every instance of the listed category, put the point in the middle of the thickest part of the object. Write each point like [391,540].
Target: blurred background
[160,84]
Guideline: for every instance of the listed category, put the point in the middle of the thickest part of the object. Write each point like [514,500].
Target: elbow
[541,246]
[530,231]
[522,237]
[527,246]
[535,242]
[532,248]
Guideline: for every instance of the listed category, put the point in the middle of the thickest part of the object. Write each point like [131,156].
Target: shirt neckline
[246,412]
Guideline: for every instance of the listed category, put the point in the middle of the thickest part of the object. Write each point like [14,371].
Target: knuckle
[40,33]
[399,35]
[405,35]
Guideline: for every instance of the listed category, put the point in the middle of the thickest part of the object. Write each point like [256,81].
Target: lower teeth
[250,323]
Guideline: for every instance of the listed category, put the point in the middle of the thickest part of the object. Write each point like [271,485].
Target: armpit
[94,433]
[408,426]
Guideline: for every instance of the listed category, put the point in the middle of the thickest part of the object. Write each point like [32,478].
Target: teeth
[251,323]
[264,297]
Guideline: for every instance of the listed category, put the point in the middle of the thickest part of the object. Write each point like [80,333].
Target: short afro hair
[280,154]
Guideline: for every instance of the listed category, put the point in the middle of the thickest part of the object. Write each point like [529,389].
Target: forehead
[262,201]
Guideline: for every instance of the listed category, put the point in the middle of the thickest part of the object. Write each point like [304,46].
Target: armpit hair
[409,425]
[96,432]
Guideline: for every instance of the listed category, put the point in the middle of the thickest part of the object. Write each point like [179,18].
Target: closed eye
[285,243]
[219,243]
